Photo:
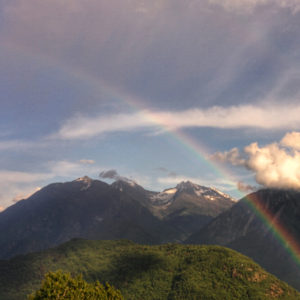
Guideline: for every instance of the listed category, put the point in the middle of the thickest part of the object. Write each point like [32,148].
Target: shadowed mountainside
[240,228]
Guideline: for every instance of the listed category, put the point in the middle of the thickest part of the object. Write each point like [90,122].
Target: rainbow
[282,235]
[286,240]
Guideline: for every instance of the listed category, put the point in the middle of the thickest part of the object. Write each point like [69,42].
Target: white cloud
[84,127]
[265,117]
[233,156]
[292,140]
[274,165]
[249,5]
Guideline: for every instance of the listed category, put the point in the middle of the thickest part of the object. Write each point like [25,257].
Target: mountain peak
[187,185]
[122,182]
[87,182]
[84,179]
[210,193]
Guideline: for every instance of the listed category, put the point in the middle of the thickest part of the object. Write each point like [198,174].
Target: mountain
[169,271]
[86,208]
[189,206]
[242,229]
[81,208]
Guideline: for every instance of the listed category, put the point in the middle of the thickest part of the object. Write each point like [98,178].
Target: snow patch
[163,198]
[87,182]
[169,191]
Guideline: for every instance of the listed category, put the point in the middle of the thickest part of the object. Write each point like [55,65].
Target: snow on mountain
[166,197]
[209,193]
[163,198]
[86,181]
[121,182]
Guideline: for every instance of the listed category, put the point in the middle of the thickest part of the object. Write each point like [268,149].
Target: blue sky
[160,91]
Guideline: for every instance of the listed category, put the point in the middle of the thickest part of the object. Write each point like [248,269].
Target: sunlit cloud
[274,165]
[292,140]
[87,161]
[22,196]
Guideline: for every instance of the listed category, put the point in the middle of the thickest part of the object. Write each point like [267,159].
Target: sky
[156,91]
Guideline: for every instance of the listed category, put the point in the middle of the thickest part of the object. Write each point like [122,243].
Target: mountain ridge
[87,208]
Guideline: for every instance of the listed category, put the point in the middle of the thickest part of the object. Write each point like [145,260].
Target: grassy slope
[148,272]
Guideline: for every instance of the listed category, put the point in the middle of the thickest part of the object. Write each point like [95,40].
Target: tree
[59,285]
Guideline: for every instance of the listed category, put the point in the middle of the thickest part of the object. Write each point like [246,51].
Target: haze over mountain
[240,228]
[93,209]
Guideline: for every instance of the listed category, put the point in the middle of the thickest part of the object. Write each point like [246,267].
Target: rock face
[249,232]
[91,209]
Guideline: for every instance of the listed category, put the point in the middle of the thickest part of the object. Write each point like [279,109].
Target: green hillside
[147,272]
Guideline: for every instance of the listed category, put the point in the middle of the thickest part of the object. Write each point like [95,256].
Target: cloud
[87,161]
[111,174]
[268,117]
[21,145]
[85,127]
[247,6]
[1,208]
[135,179]
[21,196]
[232,156]
[17,185]
[22,177]
[66,168]
[246,188]
[292,140]
[169,173]
[274,165]
[158,50]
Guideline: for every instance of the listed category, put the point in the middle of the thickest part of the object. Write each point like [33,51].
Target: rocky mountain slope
[189,206]
[242,229]
[93,209]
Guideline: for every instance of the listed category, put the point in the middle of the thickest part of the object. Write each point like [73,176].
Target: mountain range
[92,209]
[187,213]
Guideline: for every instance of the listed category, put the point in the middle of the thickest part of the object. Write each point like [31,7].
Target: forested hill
[168,271]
